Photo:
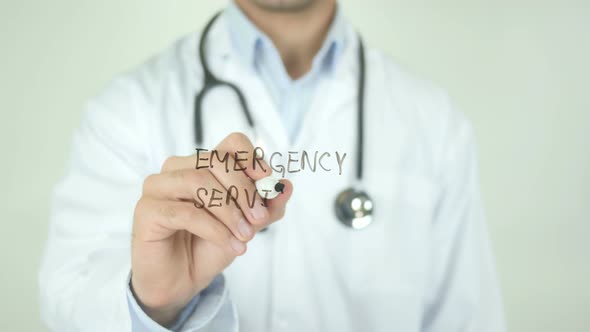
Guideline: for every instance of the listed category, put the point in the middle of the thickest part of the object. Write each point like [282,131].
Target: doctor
[128,250]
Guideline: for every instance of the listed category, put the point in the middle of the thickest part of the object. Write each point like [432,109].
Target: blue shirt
[292,99]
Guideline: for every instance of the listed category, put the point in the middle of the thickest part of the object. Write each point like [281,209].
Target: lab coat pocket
[389,256]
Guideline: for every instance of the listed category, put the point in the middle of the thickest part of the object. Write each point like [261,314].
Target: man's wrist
[164,315]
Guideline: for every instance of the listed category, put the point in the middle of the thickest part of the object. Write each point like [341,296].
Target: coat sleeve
[83,278]
[464,292]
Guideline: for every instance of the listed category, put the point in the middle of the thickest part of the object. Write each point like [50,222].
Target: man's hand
[177,248]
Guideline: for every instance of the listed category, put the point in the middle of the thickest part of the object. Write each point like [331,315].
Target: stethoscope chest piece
[354,208]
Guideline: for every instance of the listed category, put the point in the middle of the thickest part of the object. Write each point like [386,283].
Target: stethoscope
[353,206]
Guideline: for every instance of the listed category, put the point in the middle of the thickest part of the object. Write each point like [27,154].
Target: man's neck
[297,35]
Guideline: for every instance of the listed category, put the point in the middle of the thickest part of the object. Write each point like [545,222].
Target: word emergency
[239,161]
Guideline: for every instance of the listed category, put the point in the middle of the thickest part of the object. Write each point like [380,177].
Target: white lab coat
[423,265]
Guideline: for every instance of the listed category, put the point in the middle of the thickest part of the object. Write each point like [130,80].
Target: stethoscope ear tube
[208,85]
[210,81]
[360,111]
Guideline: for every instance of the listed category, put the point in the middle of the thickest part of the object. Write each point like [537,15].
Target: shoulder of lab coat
[83,277]
[464,293]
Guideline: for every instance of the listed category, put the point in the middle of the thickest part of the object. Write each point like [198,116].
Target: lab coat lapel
[331,96]
[333,100]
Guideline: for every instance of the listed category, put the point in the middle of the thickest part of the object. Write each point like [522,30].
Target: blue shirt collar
[247,39]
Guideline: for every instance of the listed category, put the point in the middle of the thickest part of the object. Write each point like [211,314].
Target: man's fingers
[249,159]
[175,163]
[163,216]
[235,153]
[206,192]
[241,188]
[181,184]
[203,191]
[235,164]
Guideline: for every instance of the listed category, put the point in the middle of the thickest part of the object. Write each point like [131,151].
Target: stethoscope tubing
[211,82]
[353,207]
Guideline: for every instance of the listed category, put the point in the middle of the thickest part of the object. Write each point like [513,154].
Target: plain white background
[518,69]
